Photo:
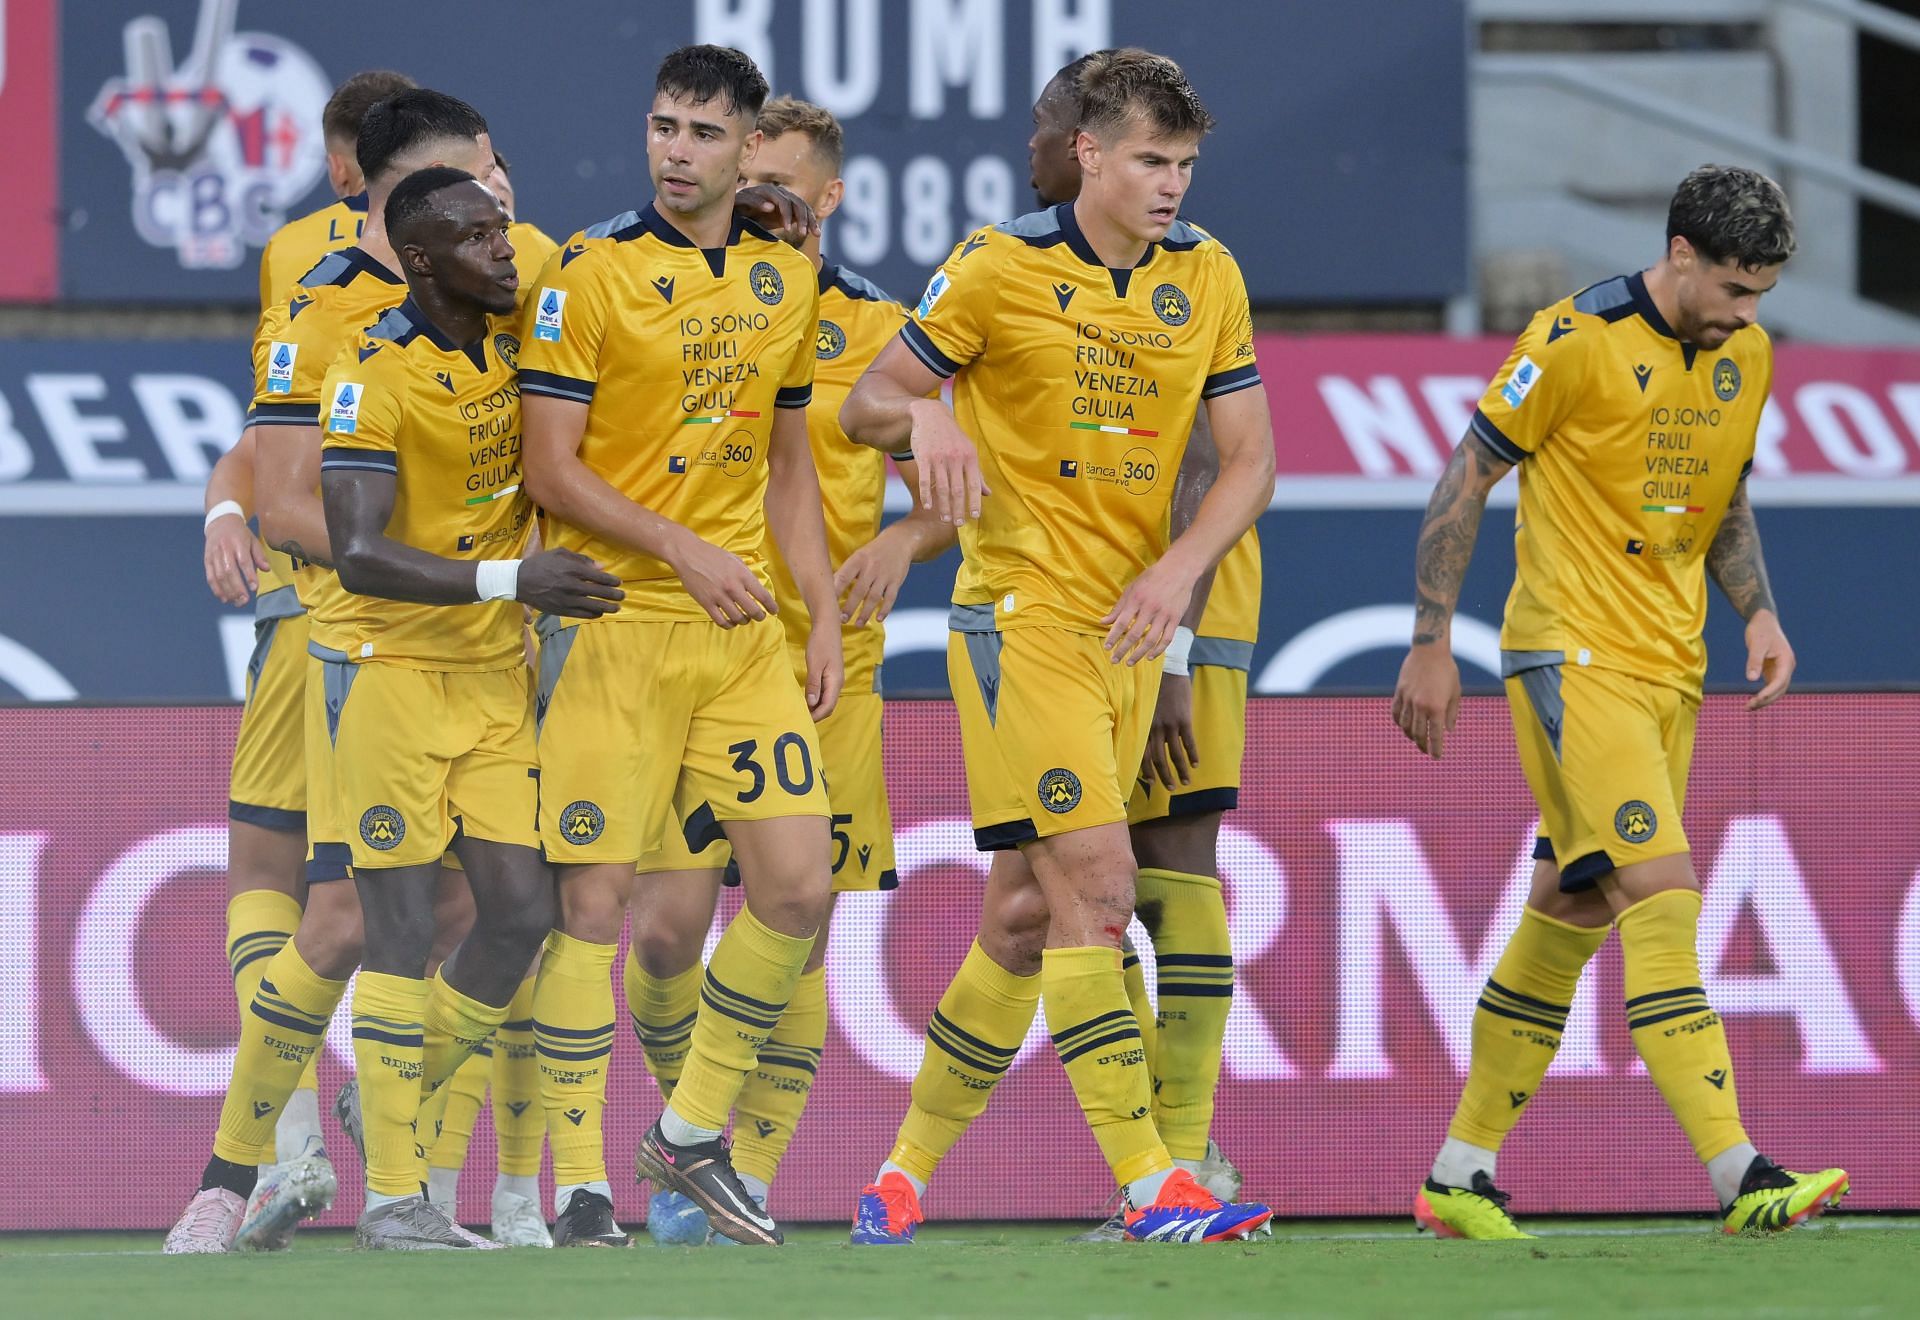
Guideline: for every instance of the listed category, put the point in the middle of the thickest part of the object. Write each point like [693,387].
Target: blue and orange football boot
[887,1213]
[1187,1212]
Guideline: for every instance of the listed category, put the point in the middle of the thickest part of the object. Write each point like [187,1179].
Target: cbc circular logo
[766,283]
[382,828]
[1140,470]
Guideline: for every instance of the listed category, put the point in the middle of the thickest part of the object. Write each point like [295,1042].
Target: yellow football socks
[1193,972]
[460,1111]
[280,1033]
[662,1012]
[389,1050]
[1678,1034]
[519,1121]
[971,1040]
[1518,1023]
[747,985]
[1099,1044]
[776,1090]
[1135,975]
[573,1036]
[259,924]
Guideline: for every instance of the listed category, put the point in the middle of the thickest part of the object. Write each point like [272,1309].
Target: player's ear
[830,199]
[1086,149]
[1680,252]
[751,147]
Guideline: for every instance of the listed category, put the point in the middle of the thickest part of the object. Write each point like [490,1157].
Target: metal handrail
[1557,72]
[1882,22]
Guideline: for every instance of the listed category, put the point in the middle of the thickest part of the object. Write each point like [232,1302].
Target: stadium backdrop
[1369,891]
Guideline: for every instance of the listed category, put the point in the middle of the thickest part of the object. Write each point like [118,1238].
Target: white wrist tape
[497,579]
[222,509]
[1175,659]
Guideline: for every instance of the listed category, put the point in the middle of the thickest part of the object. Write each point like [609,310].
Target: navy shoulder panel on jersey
[1183,237]
[853,284]
[624,226]
[1036,228]
[1612,300]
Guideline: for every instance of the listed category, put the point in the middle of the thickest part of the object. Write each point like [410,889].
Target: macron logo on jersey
[935,287]
[546,316]
[280,360]
[1521,382]
[344,416]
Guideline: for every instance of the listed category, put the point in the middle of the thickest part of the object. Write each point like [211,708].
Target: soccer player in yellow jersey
[1082,341]
[1191,774]
[666,362]
[1630,410]
[303,981]
[266,809]
[802,148]
[430,708]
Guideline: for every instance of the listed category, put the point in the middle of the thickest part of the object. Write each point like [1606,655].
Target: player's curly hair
[788,114]
[705,73]
[409,120]
[411,200]
[1115,86]
[1732,215]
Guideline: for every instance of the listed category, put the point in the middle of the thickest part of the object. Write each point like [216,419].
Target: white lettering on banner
[16,456]
[76,437]
[236,647]
[1385,880]
[1063,30]
[953,43]
[746,25]
[1906,951]
[1823,404]
[1315,650]
[20,1070]
[30,677]
[1379,419]
[195,420]
[845,83]
[1755,870]
[106,983]
[1768,461]
[1451,400]
[1254,883]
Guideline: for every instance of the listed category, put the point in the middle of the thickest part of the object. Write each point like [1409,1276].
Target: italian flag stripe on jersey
[1111,430]
[717,418]
[491,496]
[1671,508]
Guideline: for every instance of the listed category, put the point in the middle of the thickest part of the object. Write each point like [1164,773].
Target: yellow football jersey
[1233,606]
[1079,384]
[1630,445]
[298,340]
[681,354]
[856,321]
[298,244]
[445,420]
[532,249]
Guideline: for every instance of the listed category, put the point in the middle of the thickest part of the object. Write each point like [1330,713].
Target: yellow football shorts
[1606,755]
[268,785]
[1052,730]
[647,722]
[1220,729]
[422,757]
[856,792]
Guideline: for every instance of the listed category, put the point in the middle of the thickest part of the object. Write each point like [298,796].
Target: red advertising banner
[1387,406]
[29,204]
[1370,892]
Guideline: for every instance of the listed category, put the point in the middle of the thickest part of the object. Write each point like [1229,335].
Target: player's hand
[777,210]
[234,559]
[1769,657]
[826,670]
[1141,623]
[869,582]
[721,582]
[1172,750]
[1426,700]
[949,464]
[569,584]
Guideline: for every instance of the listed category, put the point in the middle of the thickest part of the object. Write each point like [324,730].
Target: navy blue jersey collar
[476,351]
[828,274]
[357,202]
[662,229]
[1081,248]
[1643,304]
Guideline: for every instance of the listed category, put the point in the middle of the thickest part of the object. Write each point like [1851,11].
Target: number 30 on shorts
[792,766]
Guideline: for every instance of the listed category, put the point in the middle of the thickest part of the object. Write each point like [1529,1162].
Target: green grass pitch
[1853,1266]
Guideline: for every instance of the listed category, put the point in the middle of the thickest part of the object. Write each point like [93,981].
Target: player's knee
[664,949]
[797,907]
[1013,928]
[331,936]
[591,910]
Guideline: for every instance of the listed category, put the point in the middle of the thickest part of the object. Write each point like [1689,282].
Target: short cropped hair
[340,121]
[412,199]
[786,114]
[713,73]
[1732,215]
[1115,86]
[408,120]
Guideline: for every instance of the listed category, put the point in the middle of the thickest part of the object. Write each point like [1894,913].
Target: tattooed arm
[1426,701]
[1735,563]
